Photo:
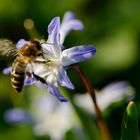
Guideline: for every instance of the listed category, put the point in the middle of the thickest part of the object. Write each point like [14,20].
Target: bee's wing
[7,47]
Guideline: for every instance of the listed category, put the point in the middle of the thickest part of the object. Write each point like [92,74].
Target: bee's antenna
[46,43]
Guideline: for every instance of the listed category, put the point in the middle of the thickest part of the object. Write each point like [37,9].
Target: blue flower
[54,72]
[57,59]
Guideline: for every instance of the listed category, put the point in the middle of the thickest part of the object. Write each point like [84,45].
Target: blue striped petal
[21,43]
[77,54]
[7,70]
[53,30]
[29,81]
[68,16]
[69,23]
[18,116]
[54,91]
[64,80]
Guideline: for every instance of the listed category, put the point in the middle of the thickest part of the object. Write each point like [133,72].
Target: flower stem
[101,123]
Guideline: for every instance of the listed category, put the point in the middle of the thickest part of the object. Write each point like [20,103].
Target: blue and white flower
[43,114]
[45,117]
[57,59]
[112,93]
[54,72]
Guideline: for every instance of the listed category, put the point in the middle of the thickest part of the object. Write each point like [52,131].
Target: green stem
[101,123]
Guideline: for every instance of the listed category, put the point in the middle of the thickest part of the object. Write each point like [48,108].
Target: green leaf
[88,121]
[71,135]
[89,124]
[129,128]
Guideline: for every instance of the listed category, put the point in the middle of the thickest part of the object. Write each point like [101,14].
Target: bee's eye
[39,54]
[38,46]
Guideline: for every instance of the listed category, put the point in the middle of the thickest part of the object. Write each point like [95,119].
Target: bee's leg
[40,79]
[42,62]
[39,62]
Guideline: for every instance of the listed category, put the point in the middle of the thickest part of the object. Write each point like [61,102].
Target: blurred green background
[113,27]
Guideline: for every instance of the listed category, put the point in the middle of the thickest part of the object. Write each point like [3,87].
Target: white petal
[41,70]
[52,79]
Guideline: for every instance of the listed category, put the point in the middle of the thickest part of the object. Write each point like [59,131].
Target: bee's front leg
[40,79]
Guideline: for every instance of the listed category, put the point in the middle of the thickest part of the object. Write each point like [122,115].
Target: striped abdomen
[18,74]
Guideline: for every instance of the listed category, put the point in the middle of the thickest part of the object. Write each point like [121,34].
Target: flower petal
[54,37]
[21,43]
[41,85]
[64,80]
[29,81]
[77,54]
[53,30]
[54,91]
[18,116]
[68,16]
[69,23]
[7,70]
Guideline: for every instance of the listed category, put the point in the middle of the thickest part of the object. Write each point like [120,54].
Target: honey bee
[24,56]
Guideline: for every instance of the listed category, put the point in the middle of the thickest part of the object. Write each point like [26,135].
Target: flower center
[53,64]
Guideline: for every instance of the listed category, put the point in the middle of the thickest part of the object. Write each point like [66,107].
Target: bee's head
[36,44]
[31,49]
